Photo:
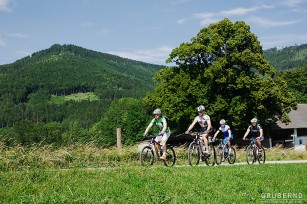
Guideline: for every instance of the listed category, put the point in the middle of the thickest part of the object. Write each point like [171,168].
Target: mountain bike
[253,154]
[196,151]
[148,152]
[222,153]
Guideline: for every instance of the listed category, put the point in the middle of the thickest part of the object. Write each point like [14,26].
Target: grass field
[89,174]
[221,184]
[75,97]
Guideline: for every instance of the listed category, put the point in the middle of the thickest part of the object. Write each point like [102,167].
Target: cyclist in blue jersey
[164,131]
[228,136]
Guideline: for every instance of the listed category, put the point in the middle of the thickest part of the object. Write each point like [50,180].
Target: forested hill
[288,57]
[37,87]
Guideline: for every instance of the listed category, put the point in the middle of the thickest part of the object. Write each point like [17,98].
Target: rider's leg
[163,141]
[229,145]
[204,137]
[258,142]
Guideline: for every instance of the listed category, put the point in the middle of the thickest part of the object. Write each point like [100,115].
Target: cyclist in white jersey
[205,123]
[228,136]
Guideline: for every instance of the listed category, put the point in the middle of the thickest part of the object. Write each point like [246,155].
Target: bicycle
[195,153]
[222,153]
[252,153]
[147,155]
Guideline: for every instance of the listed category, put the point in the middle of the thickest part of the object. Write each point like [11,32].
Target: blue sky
[140,29]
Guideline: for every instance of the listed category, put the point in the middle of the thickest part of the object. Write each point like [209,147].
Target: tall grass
[92,156]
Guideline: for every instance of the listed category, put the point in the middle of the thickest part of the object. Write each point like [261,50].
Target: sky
[142,30]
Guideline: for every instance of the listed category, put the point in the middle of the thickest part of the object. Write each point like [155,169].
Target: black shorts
[204,130]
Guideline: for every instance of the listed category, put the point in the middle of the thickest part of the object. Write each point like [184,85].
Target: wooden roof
[298,119]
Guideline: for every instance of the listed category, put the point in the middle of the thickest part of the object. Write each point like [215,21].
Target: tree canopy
[224,69]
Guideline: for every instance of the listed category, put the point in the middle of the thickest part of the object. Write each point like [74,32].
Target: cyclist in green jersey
[164,131]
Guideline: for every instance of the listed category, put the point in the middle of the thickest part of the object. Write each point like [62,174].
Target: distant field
[75,97]
[222,184]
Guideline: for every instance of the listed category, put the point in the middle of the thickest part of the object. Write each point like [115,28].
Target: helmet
[200,108]
[157,112]
[254,120]
[222,122]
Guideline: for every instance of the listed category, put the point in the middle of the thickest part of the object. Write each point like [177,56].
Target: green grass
[75,97]
[222,184]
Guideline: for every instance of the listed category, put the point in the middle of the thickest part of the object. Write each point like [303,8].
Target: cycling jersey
[224,130]
[159,122]
[255,130]
[202,120]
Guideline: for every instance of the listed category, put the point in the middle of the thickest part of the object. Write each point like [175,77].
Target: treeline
[287,58]
[128,113]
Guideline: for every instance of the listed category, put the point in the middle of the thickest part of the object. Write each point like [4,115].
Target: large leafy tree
[297,82]
[223,68]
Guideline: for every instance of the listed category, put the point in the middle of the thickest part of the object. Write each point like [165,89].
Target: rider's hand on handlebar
[244,138]
[187,132]
[144,135]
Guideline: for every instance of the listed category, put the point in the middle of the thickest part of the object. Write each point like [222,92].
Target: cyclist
[228,136]
[164,131]
[256,132]
[205,123]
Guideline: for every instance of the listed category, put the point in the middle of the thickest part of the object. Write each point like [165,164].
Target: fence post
[119,139]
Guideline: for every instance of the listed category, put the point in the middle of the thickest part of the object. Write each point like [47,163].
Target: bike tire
[250,155]
[219,154]
[232,156]
[261,159]
[194,154]
[210,160]
[170,157]
[147,156]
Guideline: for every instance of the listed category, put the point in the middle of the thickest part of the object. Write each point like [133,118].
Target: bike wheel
[261,157]
[170,157]
[219,154]
[250,155]
[193,154]
[232,156]
[147,156]
[210,159]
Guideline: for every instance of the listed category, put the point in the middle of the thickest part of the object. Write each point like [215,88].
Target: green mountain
[288,57]
[68,83]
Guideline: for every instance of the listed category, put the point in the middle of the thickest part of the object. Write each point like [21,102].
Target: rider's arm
[209,124]
[261,133]
[217,132]
[164,127]
[229,133]
[191,126]
[148,128]
[247,132]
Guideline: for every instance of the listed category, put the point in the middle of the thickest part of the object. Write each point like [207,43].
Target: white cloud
[2,42]
[4,5]
[270,23]
[18,35]
[207,18]
[282,40]
[155,56]
[293,3]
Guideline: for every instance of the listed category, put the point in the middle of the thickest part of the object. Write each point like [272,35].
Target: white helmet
[157,112]
[201,108]
[254,120]
[222,122]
